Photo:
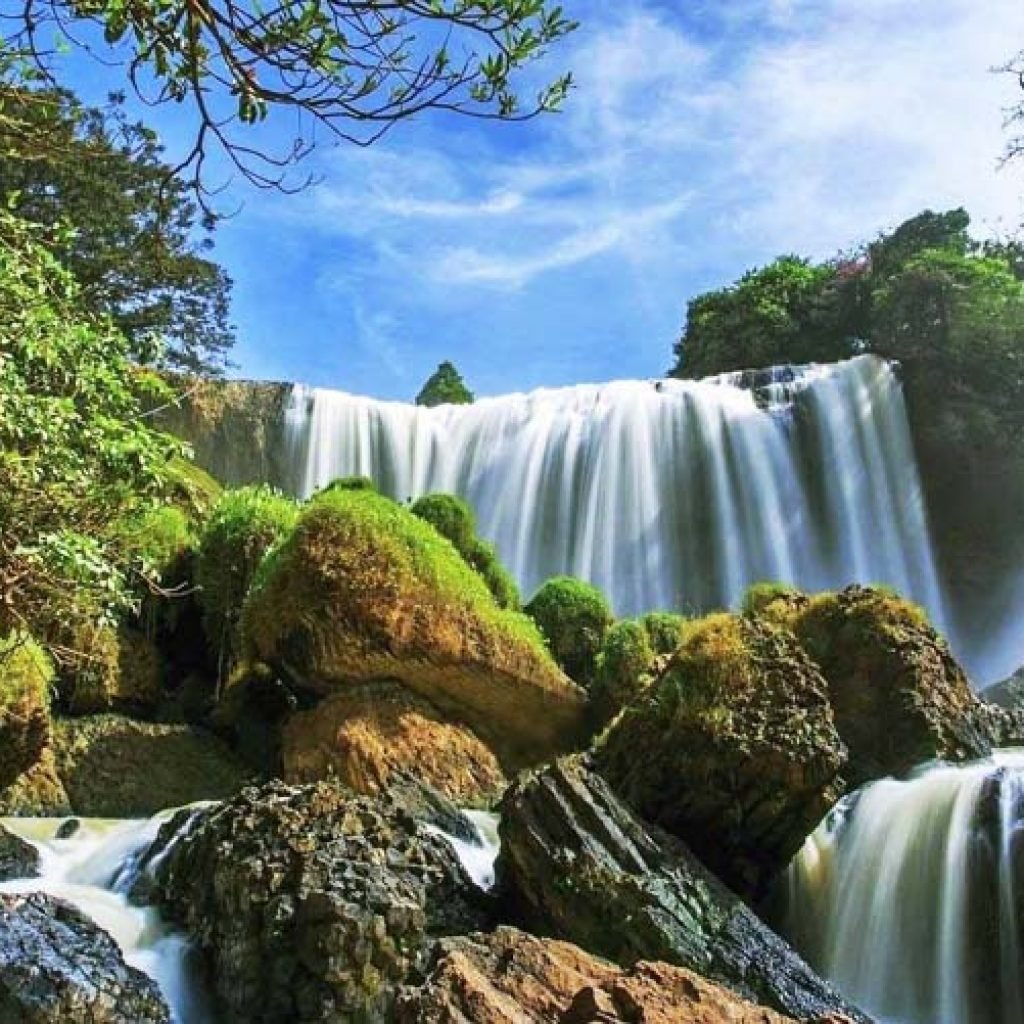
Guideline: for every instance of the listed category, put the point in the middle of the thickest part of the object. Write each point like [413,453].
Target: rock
[25,678]
[38,792]
[57,967]
[1008,693]
[898,695]
[366,736]
[311,903]
[68,829]
[577,863]
[363,590]
[508,975]
[252,712]
[741,756]
[113,767]
[18,858]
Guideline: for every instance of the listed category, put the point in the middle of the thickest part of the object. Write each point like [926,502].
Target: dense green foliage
[664,630]
[445,386]
[26,675]
[242,527]
[453,518]
[341,68]
[625,659]
[574,617]
[131,249]
[76,457]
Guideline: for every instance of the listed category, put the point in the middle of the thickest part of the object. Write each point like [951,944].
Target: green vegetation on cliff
[445,386]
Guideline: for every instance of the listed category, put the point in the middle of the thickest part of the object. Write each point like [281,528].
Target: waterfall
[666,494]
[910,896]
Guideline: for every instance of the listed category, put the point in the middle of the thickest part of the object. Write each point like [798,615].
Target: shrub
[574,617]
[453,518]
[349,483]
[664,630]
[242,527]
[623,666]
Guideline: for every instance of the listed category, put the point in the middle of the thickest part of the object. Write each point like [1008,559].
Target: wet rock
[57,967]
[67,829]
[366,736]
[18,858]
[741,757]
[577,863]
[508,975]
[312,903]
[37,792]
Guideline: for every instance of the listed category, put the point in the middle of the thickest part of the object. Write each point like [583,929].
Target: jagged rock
[57,967]
[898,695]
[311,903]
[508,975]
[18,858]
[1007,693]
[67,829]
[366,736]
[741,757]
[576,862]
[363,590]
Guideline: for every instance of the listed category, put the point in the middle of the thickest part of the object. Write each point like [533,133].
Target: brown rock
[367,736]
[510,977]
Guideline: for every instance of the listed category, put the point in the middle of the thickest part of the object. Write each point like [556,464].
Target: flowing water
[910,896]
[666,494]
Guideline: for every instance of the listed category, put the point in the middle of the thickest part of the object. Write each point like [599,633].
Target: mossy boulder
[192,490]
[370,736]
[115,669]
[241,528]
[664,630]
[26,675]
[454,518]
[573,616]
[773,602]
[898,695]
[362,589]
[38,792]
[741,755]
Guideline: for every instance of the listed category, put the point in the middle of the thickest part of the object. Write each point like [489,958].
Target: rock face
[741,756]
[18,858]
[508,975]
[109,766]
[367,736]
[898,695]
[57,967]
[311,903]
[25,678]
[578,863]
[362,590]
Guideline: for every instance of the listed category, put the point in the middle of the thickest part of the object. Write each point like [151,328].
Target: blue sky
[702,138]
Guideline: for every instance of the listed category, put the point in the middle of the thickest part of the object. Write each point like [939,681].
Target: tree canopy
[349,70]
[132,249]
[445,386]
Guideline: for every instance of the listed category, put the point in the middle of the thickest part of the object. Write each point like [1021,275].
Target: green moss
[453,518]
[623,666]
[573,616]
[350,483]
[26,676]
[192,489]
[158,539]
[241,528]
[664,630]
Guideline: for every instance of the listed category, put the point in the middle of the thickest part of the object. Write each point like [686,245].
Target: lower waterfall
[910,896]
[666,494]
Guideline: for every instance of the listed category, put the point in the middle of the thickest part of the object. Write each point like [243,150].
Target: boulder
[367,736]
[57,967]
[109,766]
[742,757]
[362,590]
[577,863]
[18,858]
[26,675]
[898,695]
[508,975]
[310,903]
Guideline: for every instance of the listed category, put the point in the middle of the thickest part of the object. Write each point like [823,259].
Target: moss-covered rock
[573,616]
[362,589]
[897,693]
[664,631]
[37,792]
[26,675]
[193,491]
[115,669]
[454,518]
[773,602]
[623,668]
[240,529]
[370,736]
[741,755]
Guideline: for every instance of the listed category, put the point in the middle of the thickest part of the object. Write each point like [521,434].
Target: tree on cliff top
[445,386]
[347,70]
[132,249]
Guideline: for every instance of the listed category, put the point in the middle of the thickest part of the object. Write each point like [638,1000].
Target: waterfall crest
[666,494]
[910,896]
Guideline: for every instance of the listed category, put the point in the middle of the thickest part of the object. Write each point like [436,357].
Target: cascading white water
[93,870]
[910,896]
[669,494]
